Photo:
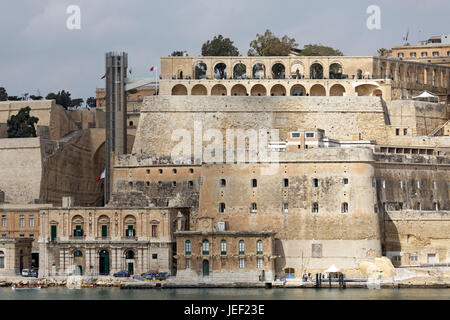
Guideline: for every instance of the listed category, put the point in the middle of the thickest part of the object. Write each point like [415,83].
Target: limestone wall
[421,234]
[21,169]
[341,117]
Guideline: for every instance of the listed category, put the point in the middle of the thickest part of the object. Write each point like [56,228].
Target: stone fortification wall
[341,117]
[417,237]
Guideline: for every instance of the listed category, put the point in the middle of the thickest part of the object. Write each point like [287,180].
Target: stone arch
[297,70]
[239,71]
[298,90]
[220,71]
[129,254]
[258,90]
[317,90]
[180,74]
[200,70]
[337,90]
[239,90]
[316,71]
[278,90]
[179,90]
[258,70]
[365,89]
[278,71]
[336,71]
[219,90]
[199,90]
[377,93]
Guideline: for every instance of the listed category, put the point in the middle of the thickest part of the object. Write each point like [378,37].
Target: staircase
[435,131]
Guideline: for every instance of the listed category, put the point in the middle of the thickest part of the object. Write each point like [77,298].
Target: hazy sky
[38,51]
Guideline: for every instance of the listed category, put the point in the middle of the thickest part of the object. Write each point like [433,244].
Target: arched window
[220,71]
[223,247]
[259,247]
[188,248]
[242,247]
[129,255]
[200,71]
[205,247]
[77,254]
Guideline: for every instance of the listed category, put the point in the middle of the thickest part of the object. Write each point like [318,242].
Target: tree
[33,97]
[3,94]
[63,99]
[382,52]
[219,46]
[91,102]
[15,98]
[22,125]
[270,45]
[319,50]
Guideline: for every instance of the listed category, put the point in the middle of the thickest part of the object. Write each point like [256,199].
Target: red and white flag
[102,176]
[131,71]
[152,69]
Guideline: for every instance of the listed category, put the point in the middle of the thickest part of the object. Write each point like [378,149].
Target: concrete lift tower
[117,85]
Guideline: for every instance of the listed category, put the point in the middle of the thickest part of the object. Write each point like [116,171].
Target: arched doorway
[239,71]
[220,71]
[239,90]
[336,71]
[205,268]
[278,71]
[103,263]
[199,90]
[278,90]
[297,71]
[259,90]
[359,74]
[259,71]
[179,90]
[298,90]
[219,90]
[316,71]
[317,90]
[337,90]
[200,70]
[78,262]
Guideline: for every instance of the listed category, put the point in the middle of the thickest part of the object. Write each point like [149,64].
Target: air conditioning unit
[221,226]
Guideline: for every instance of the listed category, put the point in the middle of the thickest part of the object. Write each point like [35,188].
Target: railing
[342,77]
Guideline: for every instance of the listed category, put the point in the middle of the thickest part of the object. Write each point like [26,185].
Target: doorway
[205,268]
[131,268]
[104,263]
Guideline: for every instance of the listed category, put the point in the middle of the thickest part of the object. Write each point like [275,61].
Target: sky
[39,54]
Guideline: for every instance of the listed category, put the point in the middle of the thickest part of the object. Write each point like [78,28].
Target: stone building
[214,253]
[15,255]
[102,241]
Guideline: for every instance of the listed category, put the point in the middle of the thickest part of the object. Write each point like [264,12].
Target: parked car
[30,272]
[161,276]
[149,273]
[122,274]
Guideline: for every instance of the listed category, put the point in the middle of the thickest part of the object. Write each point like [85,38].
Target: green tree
[270,45]
[76,103]
[22,125]
[383,52]
[219,46]
[15,98]
[91,102]
[319,50]
[33,97]
[63,99]
[3,94]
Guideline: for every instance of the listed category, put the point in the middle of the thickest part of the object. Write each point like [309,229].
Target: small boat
[26,288]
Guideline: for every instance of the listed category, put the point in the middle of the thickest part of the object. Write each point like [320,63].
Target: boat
[14,288]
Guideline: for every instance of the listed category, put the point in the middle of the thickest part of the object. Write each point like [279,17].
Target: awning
[425,95]
[333,269]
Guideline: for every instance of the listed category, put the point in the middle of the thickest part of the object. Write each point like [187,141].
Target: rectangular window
[434,184]
[2,262]
[412,54]
[254,208]
[255,183]
[400,184]
[223,183]
[435,54]
[223,248]
[154,231]
[104,231]
[259,264]
[400,55]
[424,54]
[188,263]
[310,135]
[316,183]
[4,221]
[418,184]
[155,256]
[22,221]
[383,183]
[31,221]
[286,207]
[397,258]
[241,263]
[405,132]
[345,181]
[222,208]
[345,207]
[414,258]
[286,183]
[295,135]
[397,132]
[315,207]
[316,251]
